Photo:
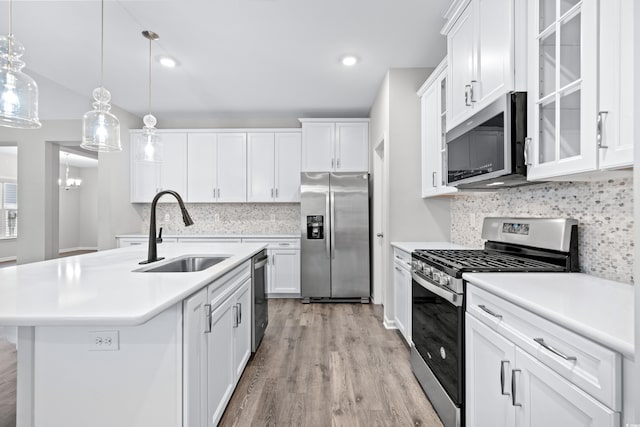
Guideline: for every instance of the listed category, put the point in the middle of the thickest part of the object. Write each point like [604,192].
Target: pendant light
[18,91]
[100,128]
[149,148]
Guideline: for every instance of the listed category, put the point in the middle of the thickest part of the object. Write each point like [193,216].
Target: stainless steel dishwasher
[259,309]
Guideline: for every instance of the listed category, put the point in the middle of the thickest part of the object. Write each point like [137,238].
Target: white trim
[9,258]
[389,324]
[452,14]
[78,248]
[221,130]
[25,392]
[435,75]
[343,120]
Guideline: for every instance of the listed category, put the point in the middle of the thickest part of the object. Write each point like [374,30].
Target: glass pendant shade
[100,128]
[150,145]
[18,91]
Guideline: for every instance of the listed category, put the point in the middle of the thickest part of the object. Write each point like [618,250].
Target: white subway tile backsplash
[604,209]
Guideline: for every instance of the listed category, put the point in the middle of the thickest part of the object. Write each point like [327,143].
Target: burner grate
[483,260]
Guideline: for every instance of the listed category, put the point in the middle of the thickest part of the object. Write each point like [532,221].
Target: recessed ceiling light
[167,61]
[349,61]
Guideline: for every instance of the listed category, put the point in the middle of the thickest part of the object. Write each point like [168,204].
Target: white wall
[8,169]
[69,213]
[79,210]
[635,379]
[395,115]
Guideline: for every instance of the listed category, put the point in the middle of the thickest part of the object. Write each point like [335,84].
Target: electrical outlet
[216,218]
[273,217]
[104,341]
[167,217]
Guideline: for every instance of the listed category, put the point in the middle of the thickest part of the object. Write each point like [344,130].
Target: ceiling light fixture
[18,91]
[100,128]
[349,61]
[167,61]
[150,146]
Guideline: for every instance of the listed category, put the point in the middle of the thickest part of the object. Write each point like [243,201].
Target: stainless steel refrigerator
[334,256]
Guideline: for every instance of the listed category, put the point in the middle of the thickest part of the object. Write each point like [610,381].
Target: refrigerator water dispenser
[315,227]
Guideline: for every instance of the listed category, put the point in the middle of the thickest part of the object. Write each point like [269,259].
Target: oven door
[437,317]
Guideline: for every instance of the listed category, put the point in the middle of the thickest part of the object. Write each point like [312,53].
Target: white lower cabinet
[509,384]
[402,292]
[283,267]
[217,347]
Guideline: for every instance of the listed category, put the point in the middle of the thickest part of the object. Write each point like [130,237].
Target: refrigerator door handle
[326,224]
[333,225]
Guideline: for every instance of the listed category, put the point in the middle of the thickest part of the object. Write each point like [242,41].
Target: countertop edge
[600,337]
[214,236]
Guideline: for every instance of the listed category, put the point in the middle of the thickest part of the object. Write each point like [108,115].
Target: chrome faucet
[153,241]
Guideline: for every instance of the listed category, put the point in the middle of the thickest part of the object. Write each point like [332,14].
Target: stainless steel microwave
[488,150]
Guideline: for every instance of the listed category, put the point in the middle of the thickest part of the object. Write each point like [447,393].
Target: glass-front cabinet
[563,45]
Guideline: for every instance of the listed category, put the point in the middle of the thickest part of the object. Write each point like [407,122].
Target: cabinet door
[285,272]
[489,360]
[318,153]
[430,141]
[616,84]
[242,332]
[232,167]
[563,81]
[201,173]
[145,176]
[460,50]
[287,167]
[173,168]
[195,312]
[401,299]
[260,167]
[220,360]
[547,399]
[352,147]
[494,51]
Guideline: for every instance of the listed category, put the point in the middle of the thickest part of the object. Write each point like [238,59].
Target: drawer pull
[513,388]
[502,363]
[553,350]
[486,310]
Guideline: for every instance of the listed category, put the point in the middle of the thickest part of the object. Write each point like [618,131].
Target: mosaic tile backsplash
[604,210]
[228,218]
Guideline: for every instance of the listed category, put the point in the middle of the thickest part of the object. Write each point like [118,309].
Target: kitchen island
[101,343]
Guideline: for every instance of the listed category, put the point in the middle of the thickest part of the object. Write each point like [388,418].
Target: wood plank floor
[7,384]
[329,365]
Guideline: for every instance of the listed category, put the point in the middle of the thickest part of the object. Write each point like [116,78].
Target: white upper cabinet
[217,167]
[580,89]
[433,121]
[481,51]
[335,145]
[274,167]
[147,178]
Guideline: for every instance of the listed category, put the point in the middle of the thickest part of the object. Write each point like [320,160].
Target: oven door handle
[452,297]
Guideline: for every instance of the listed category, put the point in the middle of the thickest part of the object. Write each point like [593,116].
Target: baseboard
[79,248]
[9,258]
[389,324]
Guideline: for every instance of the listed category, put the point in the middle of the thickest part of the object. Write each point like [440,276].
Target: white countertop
[599,309]
[101,288]
[216,236]
[412,246]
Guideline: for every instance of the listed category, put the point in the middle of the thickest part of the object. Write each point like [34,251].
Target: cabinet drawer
[276,243]
[227,284]
[401,257]
[595,369]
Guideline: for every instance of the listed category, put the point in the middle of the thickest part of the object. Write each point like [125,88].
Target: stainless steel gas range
[438,296]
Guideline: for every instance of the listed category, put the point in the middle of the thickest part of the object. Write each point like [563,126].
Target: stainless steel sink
[186,264]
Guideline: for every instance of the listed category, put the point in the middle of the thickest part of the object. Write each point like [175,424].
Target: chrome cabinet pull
[527,144]
[486,310]
[466,95]
[207,308]
[554,351]
[276,193]
[272,193]
[235,316]
[379,234]
[397,268]
[513,387]
[338,163]
[434,178]
[602,121]
[218,193]
[239,313]
[332,162]
[502,375]
[472,92]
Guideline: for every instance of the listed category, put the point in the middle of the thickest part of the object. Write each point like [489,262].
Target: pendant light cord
[102,46]
[10,27]
[150,75]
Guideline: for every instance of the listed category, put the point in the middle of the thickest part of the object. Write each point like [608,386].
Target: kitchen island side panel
[137,385]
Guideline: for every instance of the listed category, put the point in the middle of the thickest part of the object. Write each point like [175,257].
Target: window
[9,209]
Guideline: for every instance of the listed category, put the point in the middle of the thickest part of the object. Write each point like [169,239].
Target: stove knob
[427,270]
[445,280]
[436,276]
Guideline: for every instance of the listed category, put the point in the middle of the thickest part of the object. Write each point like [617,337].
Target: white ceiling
[238,58]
